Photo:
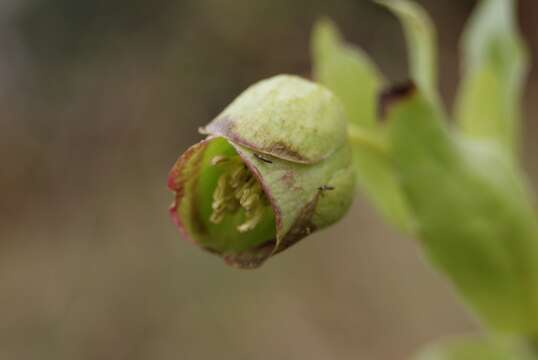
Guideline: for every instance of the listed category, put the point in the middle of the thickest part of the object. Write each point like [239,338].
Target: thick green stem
[368,139]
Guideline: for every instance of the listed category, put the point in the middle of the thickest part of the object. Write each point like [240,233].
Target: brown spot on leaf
[289,178]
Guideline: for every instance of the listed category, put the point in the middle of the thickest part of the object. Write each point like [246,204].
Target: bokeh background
[97,100]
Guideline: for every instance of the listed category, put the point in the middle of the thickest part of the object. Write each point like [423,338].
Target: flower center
[237,188]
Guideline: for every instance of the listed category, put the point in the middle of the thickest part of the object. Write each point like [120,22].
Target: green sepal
[284,116]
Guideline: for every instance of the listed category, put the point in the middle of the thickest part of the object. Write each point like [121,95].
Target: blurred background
[98,99]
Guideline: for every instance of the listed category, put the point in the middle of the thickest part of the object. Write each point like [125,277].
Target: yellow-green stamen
[237,189]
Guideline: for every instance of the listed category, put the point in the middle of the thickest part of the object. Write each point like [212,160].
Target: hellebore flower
[275,166]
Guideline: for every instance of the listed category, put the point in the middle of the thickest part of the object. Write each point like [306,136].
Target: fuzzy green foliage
[462,189]
[475,219]
[495,63]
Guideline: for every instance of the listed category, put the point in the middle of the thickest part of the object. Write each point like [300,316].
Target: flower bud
[275,167]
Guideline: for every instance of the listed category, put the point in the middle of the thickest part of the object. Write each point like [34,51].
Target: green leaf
[495,65]
[348,72]
[473,212]
[421,42]
[474,348]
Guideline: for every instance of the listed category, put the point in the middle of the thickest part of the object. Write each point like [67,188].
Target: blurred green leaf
[421,42]
[348,72]
[474,348]
[495,65]
[473,212]
[352,76]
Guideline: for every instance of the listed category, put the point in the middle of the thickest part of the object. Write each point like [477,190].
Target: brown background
[98,98]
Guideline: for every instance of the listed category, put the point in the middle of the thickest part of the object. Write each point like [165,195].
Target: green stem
[368,139]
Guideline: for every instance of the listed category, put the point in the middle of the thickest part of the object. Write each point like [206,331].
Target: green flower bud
[275,166]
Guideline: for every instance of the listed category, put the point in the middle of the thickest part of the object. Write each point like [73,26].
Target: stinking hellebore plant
[284,158]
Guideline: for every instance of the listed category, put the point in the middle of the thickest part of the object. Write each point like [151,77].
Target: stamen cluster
[237,189]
